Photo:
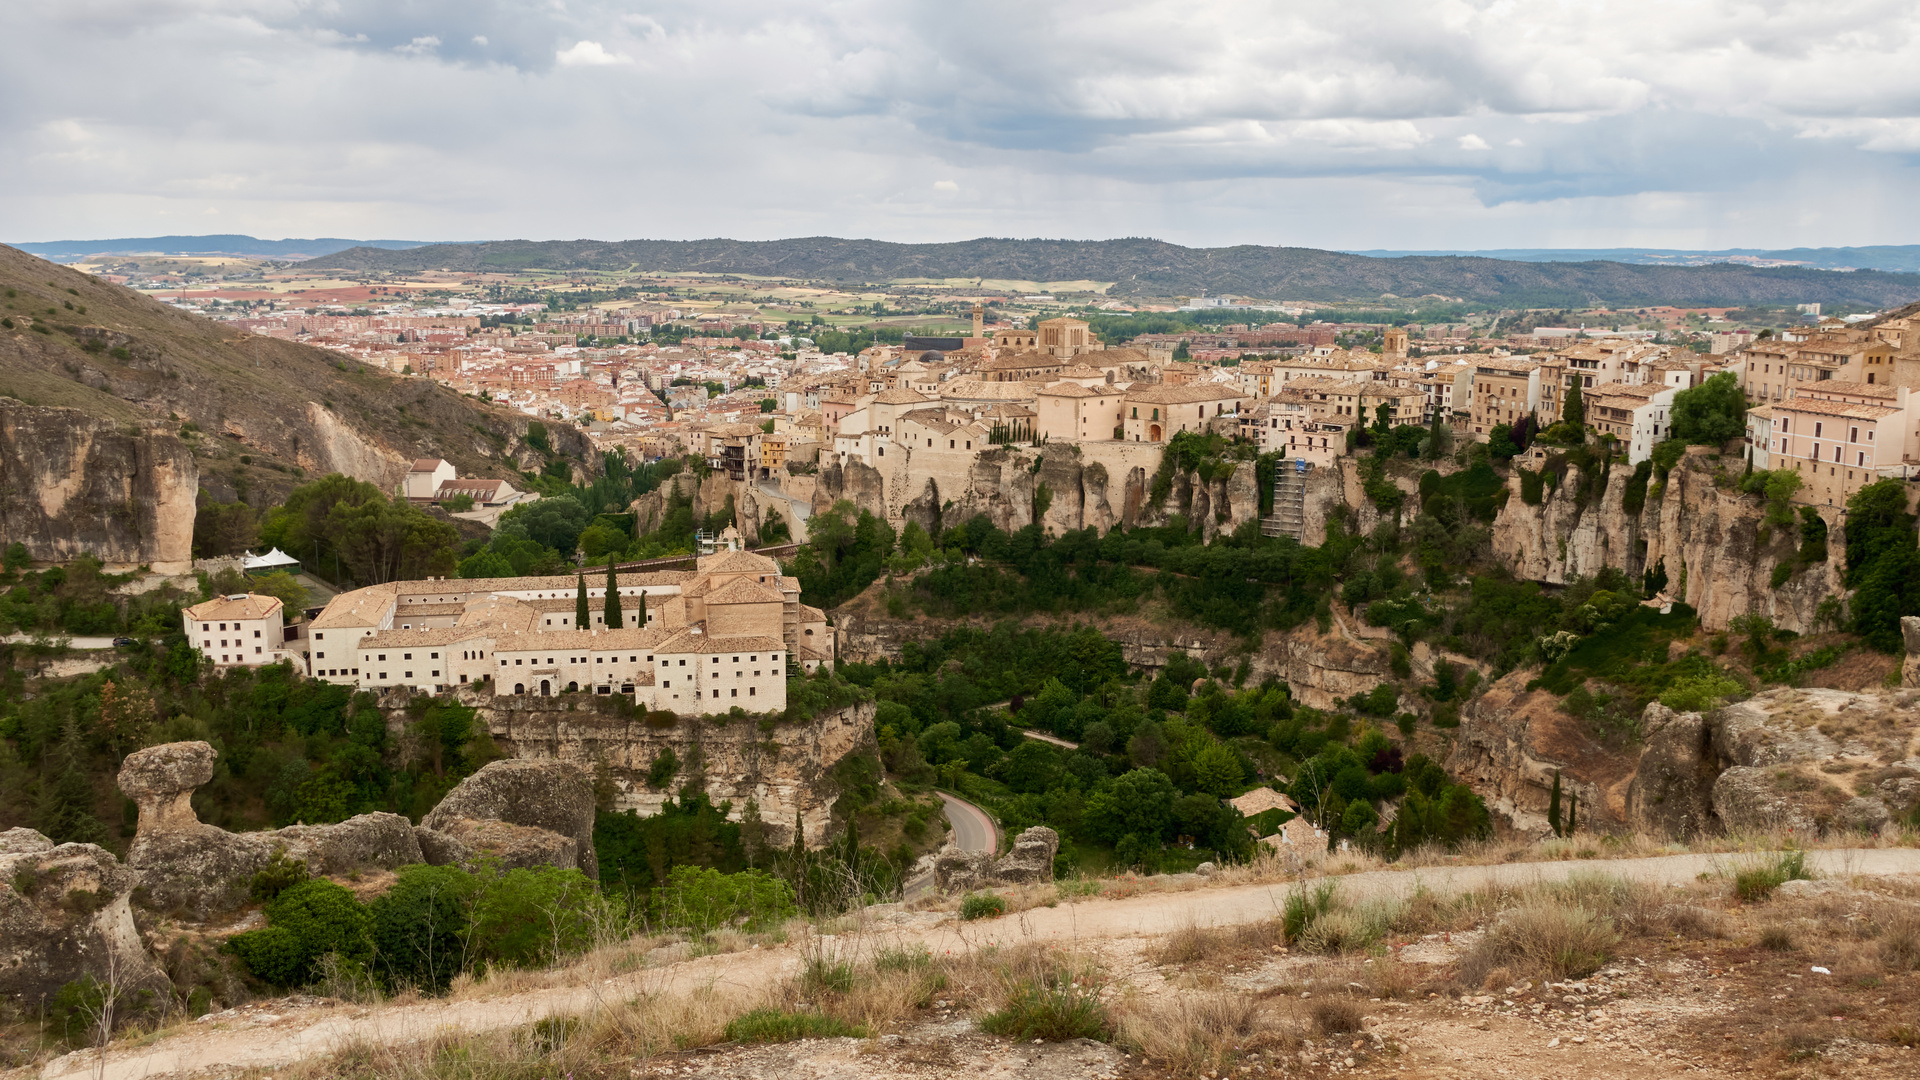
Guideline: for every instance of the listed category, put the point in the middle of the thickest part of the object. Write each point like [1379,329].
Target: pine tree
[613,598]
[1553,805]
[65,806]
[580,605]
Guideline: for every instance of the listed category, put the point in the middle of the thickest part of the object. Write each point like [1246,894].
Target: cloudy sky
[1328,123]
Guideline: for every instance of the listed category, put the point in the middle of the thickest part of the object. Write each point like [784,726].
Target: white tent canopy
[272,560]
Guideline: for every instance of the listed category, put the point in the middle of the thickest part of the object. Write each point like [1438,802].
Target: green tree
[1574,411]
[612,616]
[64,810]
[555,522]
[285,588]
[1711,413]
[580,605]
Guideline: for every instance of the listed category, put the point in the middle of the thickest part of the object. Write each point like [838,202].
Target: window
[256,633]
[382,656]
[406,656]
[1816,429]
[1853,434]
[205,626]
[406,674]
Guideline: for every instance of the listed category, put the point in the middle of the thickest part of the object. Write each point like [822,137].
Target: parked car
[124,643]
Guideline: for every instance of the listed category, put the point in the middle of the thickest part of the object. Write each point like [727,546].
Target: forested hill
[1145,267]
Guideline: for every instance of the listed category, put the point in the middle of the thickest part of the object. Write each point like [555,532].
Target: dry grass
[1200,1034]
[1553,940]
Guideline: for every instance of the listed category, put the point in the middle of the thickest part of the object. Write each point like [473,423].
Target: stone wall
[72,485]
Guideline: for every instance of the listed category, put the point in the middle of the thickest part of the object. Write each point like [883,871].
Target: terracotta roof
[687,641]
[738,562]
[1185,395]
[900,395]
[1835,408]
[744,591]
[237,606]
[1260,800]
[361,607]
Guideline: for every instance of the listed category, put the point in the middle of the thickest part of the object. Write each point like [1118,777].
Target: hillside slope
[1145,267]
[263,413]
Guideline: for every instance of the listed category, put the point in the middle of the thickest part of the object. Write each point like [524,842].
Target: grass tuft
[1756,883]
[983,906]
[779,1025]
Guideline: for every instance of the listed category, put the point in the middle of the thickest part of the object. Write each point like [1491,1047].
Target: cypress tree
[580,605]
[1553,805]
[1575,410]
[1573,810]
[641,615]
[613,598]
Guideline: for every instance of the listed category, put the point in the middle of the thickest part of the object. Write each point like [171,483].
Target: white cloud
[1332,122]
[588,54]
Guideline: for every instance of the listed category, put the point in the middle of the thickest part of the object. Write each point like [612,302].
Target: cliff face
[1094,485]
[1510,743]
[785,770]
[72,485]
[708,496]
[1719,558]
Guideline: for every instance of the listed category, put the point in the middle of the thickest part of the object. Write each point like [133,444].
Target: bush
[420,928]
[1559,941]
[983,906]
[700,899]
[1302,909]
[527,918]
[305,923]
[76,1010]
[281,873]
[1754,883]
[1336,1015]
[1052,1008]
[778,1025]
[1778,938]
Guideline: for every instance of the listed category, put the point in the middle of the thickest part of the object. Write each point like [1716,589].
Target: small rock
[1554,1043]
[1821,971]
[1206,869]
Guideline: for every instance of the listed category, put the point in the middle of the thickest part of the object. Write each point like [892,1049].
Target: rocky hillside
[110,382]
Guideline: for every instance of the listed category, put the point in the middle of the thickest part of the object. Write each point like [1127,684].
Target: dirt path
[264,1038]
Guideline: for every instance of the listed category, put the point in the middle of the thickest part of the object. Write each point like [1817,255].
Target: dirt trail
[269,1040]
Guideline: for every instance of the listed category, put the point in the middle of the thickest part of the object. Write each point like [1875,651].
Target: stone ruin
[1030,862]
[66,910]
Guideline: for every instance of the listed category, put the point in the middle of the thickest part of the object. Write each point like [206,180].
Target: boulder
[1672,790]
[1747,800]
[1031,860]
[551,795]
[1910,637]
[1863,813]
[65,914]
[1901,793]
[198,871]
[472,843]
[1206,869]
[162,779]
[957,870]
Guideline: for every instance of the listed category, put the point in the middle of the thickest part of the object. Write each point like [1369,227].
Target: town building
[241,630]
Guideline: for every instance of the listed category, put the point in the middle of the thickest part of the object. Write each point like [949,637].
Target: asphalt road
[973,830]
[72,642]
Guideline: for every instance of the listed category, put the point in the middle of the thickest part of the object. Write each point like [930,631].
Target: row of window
[205,628]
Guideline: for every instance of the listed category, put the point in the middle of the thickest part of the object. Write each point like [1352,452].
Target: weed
[983,906]
[1335,1015]
[1190,1034]
[1756,883]
[823,975]
[1303,908]
[778,1025]
[1900,944]
[1906,1035]
[1558,940]
[1778,938]
[1036,1010]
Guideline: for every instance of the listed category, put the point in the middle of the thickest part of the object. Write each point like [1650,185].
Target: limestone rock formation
[545,794]
[1672,790]
[199,870]
[80,484]
[1512,740]
[958,870]
[471,843]
[1718,554]
[64,914]
[1910,639]
[1031,860]
[1748,800]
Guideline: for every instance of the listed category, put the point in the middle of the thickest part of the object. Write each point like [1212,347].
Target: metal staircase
[1289,517]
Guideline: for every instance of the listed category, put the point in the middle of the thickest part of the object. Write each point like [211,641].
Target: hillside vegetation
[1145,267]
[261,412]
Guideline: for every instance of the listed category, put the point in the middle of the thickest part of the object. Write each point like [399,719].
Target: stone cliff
[1096,485]
[785,768]
[73,484]
[1718,553]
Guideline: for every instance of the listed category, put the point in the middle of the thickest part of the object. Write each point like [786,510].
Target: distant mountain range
[1154,268]
[66,251]
[1903,258]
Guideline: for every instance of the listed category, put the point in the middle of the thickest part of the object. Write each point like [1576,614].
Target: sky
[1322,123]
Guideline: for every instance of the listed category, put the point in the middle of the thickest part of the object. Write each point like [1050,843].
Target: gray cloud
[1330,122]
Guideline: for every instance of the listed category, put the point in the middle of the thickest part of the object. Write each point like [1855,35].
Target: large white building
[726,633]
[241,629]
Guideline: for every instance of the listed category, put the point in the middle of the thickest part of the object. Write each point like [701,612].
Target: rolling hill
[1144,267]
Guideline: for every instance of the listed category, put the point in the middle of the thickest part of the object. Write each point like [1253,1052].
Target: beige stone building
[1157,413]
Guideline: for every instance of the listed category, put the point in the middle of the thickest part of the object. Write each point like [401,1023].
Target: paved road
[72,642]
[973,829]
[1042,736]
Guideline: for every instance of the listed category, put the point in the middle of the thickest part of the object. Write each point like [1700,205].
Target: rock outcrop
[471,843]
[1511,742]
[1718,552]
[550,796]
[198,870]
[1029,862]
[65,913]
[72,484]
